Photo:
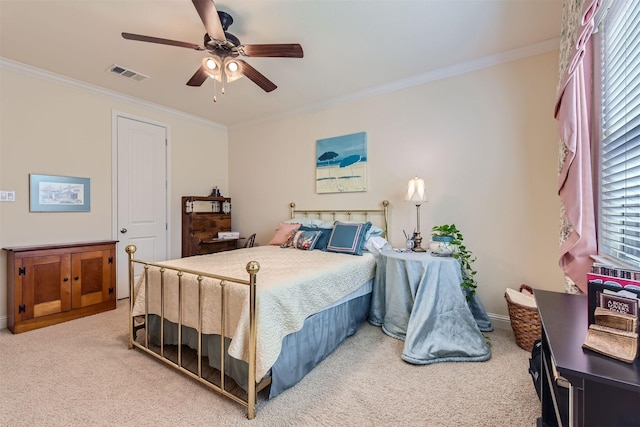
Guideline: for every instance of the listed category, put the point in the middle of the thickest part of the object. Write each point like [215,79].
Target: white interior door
[141,194]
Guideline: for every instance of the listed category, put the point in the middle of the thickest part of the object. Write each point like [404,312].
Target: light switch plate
[7,196]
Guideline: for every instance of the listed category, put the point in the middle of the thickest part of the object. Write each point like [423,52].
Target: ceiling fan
[223,64]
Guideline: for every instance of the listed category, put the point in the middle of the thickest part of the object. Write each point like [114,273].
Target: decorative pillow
[373,230]
[284,233]
[305,240]
[348,238]
[323,240]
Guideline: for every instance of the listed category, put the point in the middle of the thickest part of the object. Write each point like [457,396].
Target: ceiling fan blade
[209,16]
[158,40]
[293,50]
[198,78]
[255,76]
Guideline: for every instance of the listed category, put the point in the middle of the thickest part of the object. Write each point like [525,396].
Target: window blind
[619,192]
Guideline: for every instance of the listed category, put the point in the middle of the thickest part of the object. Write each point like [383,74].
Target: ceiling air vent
[130,74]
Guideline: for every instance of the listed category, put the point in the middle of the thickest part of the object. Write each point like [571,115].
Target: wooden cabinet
[202,219]
[55,283]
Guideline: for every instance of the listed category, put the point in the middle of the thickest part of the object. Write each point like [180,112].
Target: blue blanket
[417,298]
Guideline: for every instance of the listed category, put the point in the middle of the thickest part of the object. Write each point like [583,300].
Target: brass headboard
[348,214]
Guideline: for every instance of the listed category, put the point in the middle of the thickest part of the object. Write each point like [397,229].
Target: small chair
[250,241]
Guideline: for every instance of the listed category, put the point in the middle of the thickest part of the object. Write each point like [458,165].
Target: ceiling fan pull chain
[224,78]
[215,98]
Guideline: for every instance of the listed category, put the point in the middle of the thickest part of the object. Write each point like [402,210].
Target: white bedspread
[291,285]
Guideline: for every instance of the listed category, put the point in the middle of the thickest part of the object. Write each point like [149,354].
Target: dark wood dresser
[202,219]
[601,391]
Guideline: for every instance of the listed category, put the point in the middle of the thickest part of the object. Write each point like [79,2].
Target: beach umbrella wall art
[326,156]
[341,164]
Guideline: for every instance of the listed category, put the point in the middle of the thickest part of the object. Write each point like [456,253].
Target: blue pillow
[373,230]
[348,238]
[323,240]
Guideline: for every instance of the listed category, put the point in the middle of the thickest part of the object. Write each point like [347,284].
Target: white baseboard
[500,321]
[3,323]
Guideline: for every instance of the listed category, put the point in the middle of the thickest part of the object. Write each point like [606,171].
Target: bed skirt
[301,351]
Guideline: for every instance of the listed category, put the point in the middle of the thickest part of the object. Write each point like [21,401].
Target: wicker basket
[525,322]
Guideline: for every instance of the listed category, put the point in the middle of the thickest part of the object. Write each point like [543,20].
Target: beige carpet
[81,373]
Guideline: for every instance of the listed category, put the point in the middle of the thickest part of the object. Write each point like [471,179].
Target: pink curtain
[575,181]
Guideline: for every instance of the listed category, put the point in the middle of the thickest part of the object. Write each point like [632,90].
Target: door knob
[123,230]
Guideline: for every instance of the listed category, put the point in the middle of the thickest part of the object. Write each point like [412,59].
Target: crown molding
[434,75]
[439,74]
[77,84]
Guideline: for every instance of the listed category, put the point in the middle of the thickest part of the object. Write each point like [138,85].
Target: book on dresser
[608,268]
[613,309]
[228,235]
[612,295]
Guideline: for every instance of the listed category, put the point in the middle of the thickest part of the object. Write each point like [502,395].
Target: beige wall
[59,127]
[485,143]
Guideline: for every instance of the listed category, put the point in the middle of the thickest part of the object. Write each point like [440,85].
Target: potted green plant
[442,237]
[449,234]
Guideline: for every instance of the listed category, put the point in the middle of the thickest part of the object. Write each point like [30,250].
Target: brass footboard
[252,269]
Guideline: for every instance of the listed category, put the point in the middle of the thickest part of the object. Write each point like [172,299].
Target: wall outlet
[7,196]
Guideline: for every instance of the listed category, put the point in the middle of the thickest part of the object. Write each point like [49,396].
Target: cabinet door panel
[91,273]
[45,290]
[47,308]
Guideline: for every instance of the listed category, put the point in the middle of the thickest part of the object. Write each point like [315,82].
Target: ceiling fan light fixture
[212,65]
[232,69]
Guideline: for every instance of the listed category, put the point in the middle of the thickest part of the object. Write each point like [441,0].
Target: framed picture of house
[341,164]
[51,193]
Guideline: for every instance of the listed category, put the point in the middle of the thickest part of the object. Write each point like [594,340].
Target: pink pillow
[284,233]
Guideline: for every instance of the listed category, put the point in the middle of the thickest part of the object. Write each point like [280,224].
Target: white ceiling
[351,47]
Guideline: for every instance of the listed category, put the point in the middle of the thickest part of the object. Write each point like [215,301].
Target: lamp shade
[415,191]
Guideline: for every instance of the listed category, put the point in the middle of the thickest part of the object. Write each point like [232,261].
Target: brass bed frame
[253,267]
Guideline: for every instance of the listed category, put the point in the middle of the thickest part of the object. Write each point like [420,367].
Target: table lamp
[416,195]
